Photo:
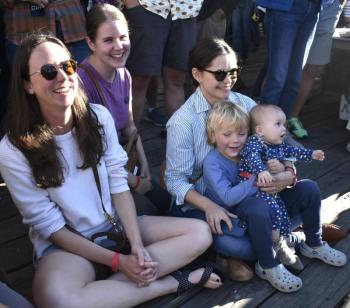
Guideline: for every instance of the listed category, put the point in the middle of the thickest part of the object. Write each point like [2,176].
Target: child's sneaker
[324,253]
[279,277]
[286,255]
[297,128]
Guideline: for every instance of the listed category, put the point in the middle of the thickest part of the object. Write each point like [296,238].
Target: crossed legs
[63,279]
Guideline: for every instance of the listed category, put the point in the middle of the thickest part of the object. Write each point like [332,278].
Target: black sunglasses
[50,71]
[221,74]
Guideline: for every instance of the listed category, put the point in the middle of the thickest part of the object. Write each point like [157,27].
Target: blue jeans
[289,38]
[303,199]
[242,28]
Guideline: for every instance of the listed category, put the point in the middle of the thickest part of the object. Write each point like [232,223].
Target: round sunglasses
[220,75]
[50,71]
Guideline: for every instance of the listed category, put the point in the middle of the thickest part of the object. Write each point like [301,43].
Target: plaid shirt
[19,21]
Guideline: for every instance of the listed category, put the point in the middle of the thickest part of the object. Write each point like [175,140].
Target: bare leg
[310,73]
[139,89]
[174,81]
[152,92]
[67,280]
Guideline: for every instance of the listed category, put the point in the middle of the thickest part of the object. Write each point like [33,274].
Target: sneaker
[280,278]
[297,128]
[155,116]
[324,253]
[286,255]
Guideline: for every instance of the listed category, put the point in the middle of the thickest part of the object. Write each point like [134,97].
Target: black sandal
[185,284]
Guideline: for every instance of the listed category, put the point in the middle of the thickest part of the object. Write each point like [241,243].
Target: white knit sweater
[77,201]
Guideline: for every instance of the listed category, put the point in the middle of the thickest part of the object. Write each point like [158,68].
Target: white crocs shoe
[280,278]
[325,253]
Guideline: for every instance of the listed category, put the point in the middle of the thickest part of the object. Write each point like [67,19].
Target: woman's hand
[275,166]
[150,268]
[215,214]
[129,265]
[280,182]
[144,186]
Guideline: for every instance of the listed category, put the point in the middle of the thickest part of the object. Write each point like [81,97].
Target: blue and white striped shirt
[187,144]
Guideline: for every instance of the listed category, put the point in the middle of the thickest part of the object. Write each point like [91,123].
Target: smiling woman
[106,81]
[211,64]
[54,142]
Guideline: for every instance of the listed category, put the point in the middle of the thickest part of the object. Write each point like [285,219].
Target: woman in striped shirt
[213,66]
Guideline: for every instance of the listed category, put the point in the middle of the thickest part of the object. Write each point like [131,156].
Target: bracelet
[292,171]
[138,181]
[115,262]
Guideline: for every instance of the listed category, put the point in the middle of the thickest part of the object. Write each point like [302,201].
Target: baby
[265,143]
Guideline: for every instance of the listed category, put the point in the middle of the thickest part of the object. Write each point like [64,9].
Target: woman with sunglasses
[108,40]
[213,67]
[54,140]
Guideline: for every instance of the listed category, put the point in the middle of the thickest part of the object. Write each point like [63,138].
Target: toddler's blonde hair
[226,114]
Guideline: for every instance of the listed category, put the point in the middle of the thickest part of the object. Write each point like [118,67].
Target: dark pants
[155,202]
[303,199]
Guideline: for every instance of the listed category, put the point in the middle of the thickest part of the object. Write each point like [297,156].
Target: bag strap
[132,141]
[108,216]
[91,75]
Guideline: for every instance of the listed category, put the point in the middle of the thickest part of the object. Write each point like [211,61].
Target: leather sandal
[182,276]
[236,269]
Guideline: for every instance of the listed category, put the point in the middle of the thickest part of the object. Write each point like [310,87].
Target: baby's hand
[265,178]
[318,155]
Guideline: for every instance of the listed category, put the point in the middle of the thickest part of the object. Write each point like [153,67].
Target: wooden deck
[323,286]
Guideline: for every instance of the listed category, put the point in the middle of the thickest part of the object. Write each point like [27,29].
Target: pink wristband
[115,262]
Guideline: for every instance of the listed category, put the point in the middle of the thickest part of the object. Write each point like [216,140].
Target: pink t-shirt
[117,94]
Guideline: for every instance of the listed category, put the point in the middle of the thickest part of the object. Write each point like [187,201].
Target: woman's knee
[51,295]
[59,278]
[200,232]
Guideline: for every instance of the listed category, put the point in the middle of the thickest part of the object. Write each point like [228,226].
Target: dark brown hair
[204,52]
[28,130]
[99,14]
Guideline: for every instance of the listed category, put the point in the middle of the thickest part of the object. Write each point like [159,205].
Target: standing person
[241,25]
[53,141]
[108,40]
[213,66]
[319,57]
[289,27]
[161,33]
[65,19]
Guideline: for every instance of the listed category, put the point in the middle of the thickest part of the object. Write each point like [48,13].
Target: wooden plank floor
[324,286]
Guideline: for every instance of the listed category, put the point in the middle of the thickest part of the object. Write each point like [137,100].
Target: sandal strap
[182,278]
[208,270]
